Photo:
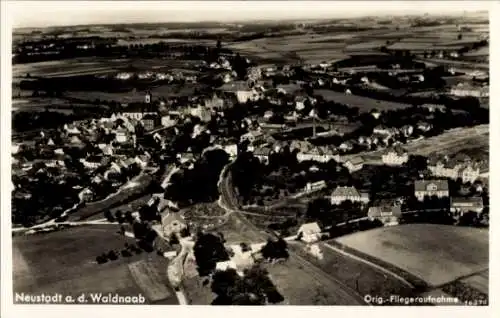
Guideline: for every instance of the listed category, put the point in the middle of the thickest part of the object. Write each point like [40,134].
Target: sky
[57,13]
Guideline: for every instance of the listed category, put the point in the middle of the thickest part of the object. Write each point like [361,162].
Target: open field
[355,274]
[236,232]
[309,47]
[37,104]
[479,282]
[196,293]
[452,141]
[365,104]
[438,254]
[137,96]
[93,66]
[149,280]
[298,287]
[64,262]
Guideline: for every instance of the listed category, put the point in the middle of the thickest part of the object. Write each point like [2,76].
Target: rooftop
[424,185]
[346,192]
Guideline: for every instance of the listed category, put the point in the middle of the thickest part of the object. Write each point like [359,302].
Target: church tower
[147,98]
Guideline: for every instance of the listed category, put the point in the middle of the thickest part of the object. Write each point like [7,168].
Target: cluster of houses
[158,76]
[389,212]
[106,146]
[457,167]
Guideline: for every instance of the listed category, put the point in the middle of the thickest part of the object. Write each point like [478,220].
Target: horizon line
[243,21]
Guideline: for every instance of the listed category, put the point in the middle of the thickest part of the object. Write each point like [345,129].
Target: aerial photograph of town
[342,160]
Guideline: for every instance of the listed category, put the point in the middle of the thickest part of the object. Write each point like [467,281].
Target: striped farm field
[437,254]
[150,280]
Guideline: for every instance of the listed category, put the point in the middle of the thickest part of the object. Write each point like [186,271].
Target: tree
[112,255]
[275,250]
[109,216]
[208,250]
[119,216]
[173,240]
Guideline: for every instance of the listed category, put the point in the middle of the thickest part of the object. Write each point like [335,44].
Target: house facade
[461,205]
[429,188]
[309,232]
[395,157]
[387,214]
[263,154]
[314,186]
[467,171]
[354,164]
[341,194]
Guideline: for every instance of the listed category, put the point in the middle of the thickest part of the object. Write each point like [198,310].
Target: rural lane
[344,294]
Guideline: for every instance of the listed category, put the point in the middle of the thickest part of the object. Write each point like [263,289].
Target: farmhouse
[231,150]
[383,130]
[395,156]
[137,111]
[241,90]
[460,205]
[252,136]
[453,169]
[354,164]
[263,154]
[406,130]
[424,126]
[341,194]
[386,213]
[225,265]
[85,195]
[428,188]
[346,146]
[462,90]
[313,186]
[317,154]
[214,103]
[309,232]
[434,107]
[172,223]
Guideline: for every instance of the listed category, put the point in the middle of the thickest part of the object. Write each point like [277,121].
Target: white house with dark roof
[429,188]
[395,156]
[434,107]
[461,205]
[252,136]
[263,154]
[309,232]
[341,194]
[354,164]
[386,213]
[313,186]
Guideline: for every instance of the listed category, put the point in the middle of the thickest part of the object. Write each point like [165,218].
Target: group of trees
[322,211]
[113,255]
[208,250]
[275,249]
[198,184]
[254,288]
[23,121]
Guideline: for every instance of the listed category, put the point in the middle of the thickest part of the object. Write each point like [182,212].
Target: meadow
[365,104]
[438,254]
[64,262]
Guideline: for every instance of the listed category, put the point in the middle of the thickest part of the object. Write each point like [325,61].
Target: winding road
[227,201]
